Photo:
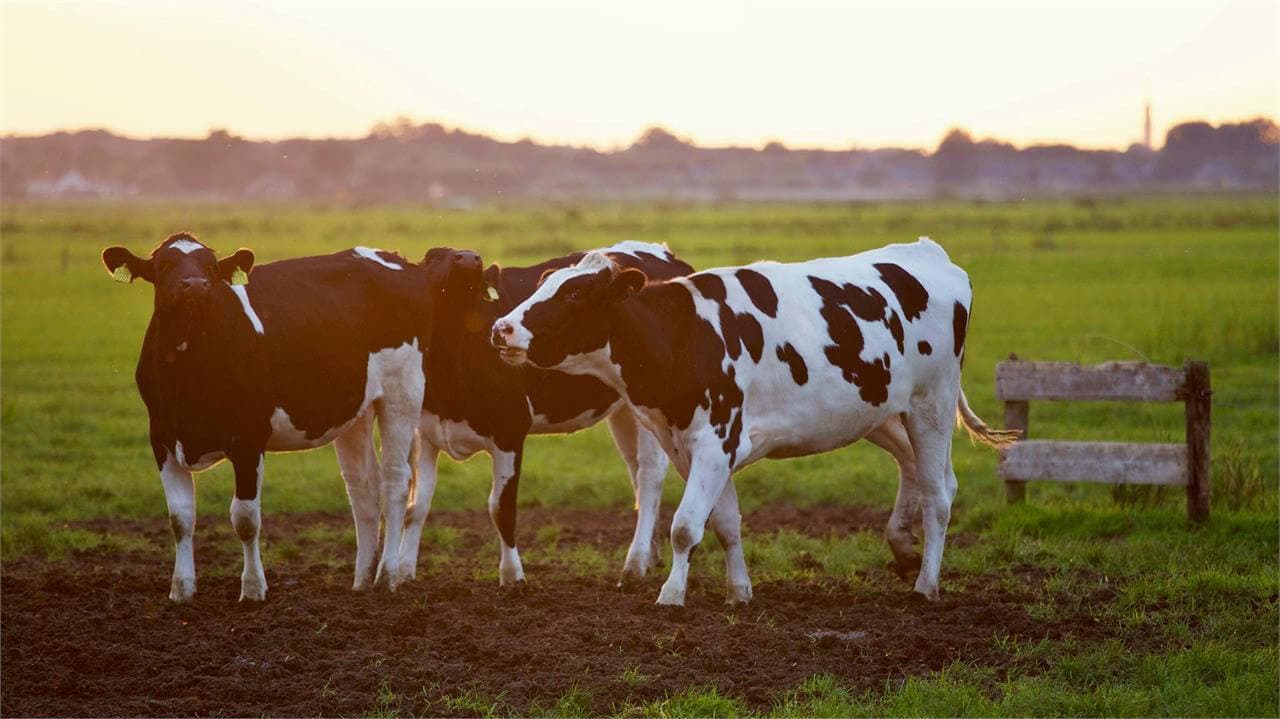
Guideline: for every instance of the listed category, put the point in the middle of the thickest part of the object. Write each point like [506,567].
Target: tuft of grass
[574,703]
[476,704]
[693,702]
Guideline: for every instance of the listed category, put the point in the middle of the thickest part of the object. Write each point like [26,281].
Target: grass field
[1086,280]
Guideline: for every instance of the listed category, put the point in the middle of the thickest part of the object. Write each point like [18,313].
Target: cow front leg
[246,519]
[708,473]
[180,495]
[502,510]
[416,515]
[647,465]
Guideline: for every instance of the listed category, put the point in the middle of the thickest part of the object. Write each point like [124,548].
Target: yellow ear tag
[239,277]
[122,274]
[491,293]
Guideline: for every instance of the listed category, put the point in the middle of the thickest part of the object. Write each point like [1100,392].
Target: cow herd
[710,371]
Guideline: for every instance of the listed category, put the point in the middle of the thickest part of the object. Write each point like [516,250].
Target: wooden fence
[1183,464]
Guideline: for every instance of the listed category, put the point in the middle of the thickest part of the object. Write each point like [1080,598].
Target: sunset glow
[807,73]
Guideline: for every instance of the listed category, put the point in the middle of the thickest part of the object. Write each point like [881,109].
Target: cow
[474,402]
[730,366]
[313,350]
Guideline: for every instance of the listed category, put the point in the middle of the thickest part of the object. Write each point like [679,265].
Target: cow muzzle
[504,339]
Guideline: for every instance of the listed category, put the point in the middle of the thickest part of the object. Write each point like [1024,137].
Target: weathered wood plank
[1138,381]
[1198,396]
[1108,462]
[1017,415]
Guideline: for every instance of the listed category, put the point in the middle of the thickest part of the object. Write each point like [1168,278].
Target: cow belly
[588,418]
[385,373]
[456,439]
[801,434]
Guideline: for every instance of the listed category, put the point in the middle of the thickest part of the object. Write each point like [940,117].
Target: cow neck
[458,328]
[184,340]
[643,334]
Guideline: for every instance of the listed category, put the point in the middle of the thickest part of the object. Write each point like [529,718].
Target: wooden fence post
[1017,415]
[1197,395]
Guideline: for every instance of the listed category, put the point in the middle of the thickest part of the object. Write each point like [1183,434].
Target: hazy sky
[809,73]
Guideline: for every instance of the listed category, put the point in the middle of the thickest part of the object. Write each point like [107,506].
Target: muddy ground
[94,634]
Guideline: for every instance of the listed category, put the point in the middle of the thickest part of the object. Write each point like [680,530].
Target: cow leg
[246,519]
[647,465]
[892,438]
[708,473]
[929,425]
[502,510]
[359,465]
[416,516]
[396,425]
[180,495]
[726,520]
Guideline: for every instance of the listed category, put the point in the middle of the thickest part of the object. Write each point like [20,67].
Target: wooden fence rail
[1018,382]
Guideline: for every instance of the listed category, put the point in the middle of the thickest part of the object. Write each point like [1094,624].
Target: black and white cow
[475,402]
[309,352]
[730,366]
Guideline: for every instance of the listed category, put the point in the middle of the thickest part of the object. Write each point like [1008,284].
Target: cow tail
[415,452]
[978,430]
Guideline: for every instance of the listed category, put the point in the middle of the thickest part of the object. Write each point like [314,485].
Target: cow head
[462,283]
[182,269]
[569,313]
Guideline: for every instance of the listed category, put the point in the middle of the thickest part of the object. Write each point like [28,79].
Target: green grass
[1162,279]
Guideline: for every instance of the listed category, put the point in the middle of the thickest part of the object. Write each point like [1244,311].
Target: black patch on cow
[760,290]
[789,355]
[910,293]
[959,325]
[895,328]
[710,286]
[211,382]
[839,306]
[924,348]
[506,516]
[738,329]
[671,359]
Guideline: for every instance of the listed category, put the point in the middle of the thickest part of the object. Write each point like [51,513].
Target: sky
[720,72]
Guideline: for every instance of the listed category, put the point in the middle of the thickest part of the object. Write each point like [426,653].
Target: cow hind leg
[502,510]
[396,422]
[246,520]
[359,465]
[726,521]
[892,437]
[929,427]
[416,515]
[647,465]
[180,496]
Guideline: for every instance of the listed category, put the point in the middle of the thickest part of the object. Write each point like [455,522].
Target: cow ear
[124,266]
[492,281]
[235,269]
[626,283]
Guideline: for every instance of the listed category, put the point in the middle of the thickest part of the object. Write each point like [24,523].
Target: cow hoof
[181,591]
[630,581]
[738,595]
[670,597]
[930,594]
[907,567]
[386,579]
[510,577]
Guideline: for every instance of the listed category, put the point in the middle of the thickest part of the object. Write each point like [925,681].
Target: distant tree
[774,146]
[955,162]
[658,138]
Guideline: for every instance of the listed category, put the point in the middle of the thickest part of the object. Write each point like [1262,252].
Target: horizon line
[687,139]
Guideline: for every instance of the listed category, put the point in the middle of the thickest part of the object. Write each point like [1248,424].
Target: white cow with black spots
[730,366]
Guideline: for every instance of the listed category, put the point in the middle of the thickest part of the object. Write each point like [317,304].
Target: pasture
[1087,600]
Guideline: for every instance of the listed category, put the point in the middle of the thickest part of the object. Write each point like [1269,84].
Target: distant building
[1146,127]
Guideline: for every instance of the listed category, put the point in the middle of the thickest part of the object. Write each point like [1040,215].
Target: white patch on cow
[182,347]
[456,439]
[510,569]
[201,463]
[372,255]
[180,496]
[243,294]
[518,337]
[186,247]
[634,247]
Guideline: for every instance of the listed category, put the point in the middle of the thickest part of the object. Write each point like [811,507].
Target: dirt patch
[95,634]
